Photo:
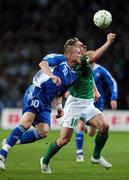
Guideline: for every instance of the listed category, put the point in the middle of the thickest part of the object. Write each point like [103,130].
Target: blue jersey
[39,95]
[102,77]
[60,68]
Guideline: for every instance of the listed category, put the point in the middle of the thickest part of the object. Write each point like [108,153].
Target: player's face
[82,47]
[75,55]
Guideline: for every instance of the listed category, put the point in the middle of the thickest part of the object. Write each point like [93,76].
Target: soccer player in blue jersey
[103,80]
[54,78]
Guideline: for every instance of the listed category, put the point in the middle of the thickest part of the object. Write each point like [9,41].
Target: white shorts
[76,108]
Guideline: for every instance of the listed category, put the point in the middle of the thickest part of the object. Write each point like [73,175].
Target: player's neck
[71,63]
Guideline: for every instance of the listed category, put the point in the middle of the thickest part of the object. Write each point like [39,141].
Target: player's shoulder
[99,67]
[54,55]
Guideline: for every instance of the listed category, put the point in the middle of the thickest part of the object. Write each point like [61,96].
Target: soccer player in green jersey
[80,104]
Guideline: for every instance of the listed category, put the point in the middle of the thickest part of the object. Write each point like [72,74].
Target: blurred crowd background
[31,29]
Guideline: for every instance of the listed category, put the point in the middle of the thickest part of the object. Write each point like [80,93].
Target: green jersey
[83,86]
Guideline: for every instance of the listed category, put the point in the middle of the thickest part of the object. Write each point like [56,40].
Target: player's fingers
[58,82]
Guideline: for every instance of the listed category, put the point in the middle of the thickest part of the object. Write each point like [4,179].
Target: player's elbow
[43,63]
[40,63]
[94,58]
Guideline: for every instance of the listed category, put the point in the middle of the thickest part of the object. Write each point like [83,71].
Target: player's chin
[77,61]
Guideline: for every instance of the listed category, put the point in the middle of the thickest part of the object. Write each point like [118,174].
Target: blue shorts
[34,102]
[99,104]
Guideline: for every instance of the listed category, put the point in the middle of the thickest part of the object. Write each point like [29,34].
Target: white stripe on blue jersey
[40,77]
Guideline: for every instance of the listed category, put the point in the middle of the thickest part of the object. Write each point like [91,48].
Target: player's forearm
[58,102]
[95,88]
[96,93]
[58,105]
[100,51]
[45,67]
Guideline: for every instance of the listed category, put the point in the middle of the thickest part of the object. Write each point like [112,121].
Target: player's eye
[84,46]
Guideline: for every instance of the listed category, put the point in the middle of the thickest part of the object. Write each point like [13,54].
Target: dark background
[33,28]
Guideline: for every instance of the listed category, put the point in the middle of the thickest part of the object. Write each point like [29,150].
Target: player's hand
[56,80]
[60,113]
[110,38]
[114,104]
[67,94]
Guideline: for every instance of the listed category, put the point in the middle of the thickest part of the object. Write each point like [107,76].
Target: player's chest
[66,74]
[97,76]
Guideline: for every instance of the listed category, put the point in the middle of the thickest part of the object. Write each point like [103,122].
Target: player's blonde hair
[69,44]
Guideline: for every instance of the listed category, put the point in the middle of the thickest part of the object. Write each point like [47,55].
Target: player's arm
[96,93]
[112,84]
[67,94]
[58,104]
[45,67]
[52,60]
[94,55]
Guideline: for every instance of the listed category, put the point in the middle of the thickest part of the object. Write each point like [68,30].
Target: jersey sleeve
[111,82]
[54,59]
